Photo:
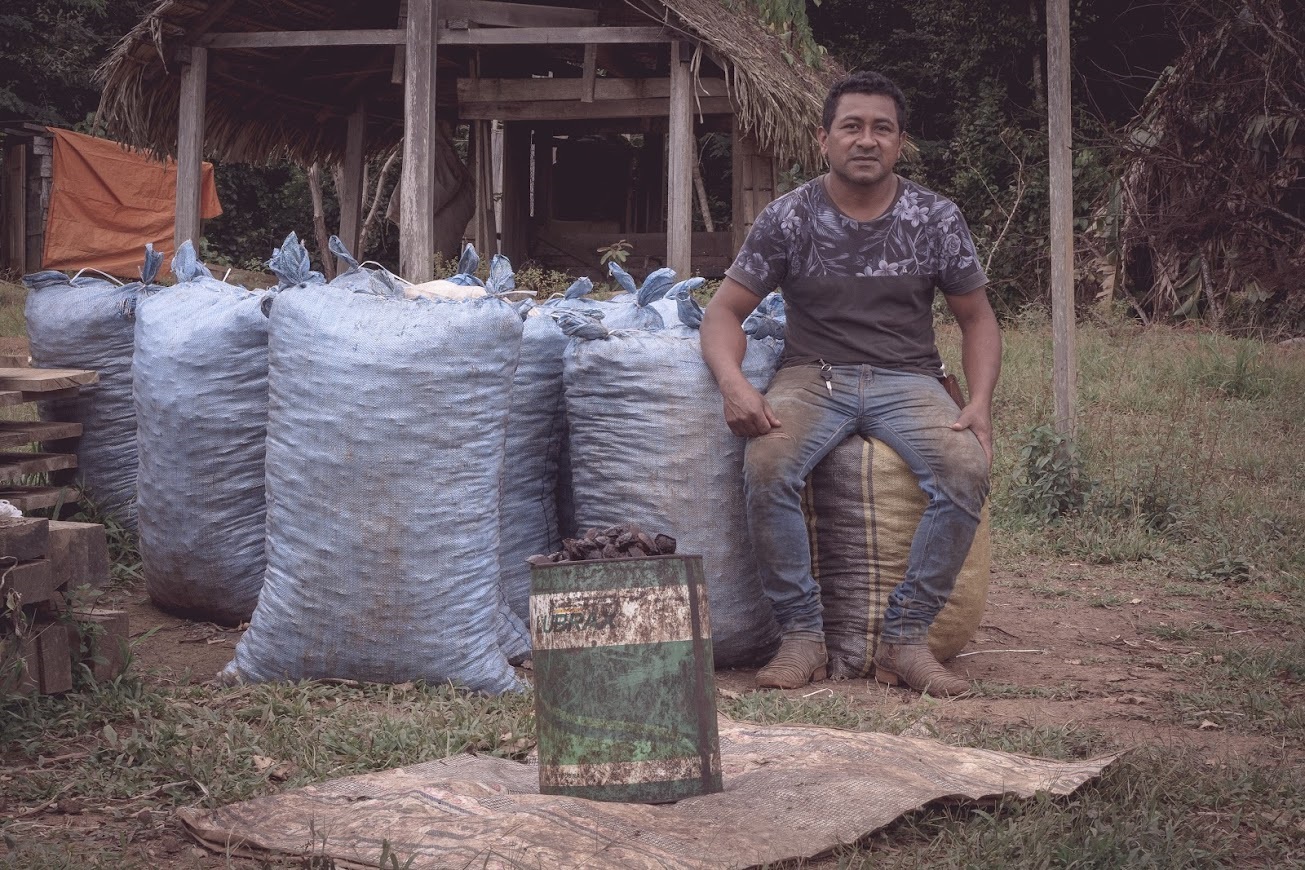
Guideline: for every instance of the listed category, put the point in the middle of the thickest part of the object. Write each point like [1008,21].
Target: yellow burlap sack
[862,505]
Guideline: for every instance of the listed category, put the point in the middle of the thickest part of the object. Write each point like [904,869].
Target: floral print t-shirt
[860,292]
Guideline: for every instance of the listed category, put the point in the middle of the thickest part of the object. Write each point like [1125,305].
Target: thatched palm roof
[264,104]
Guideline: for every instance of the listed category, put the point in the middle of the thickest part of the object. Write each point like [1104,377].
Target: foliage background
[1147,74]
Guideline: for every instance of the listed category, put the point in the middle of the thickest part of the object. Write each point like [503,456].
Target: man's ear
[821,136]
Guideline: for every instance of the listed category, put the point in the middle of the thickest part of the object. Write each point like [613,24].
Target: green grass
[1184,450]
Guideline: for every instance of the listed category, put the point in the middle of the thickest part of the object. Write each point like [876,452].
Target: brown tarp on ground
[108,201]
[791,791]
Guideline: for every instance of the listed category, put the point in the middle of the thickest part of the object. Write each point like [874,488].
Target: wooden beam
[681,148]
[417,188]
[303,38]
[472,90]
[351,182]
[589,76]
[190,147]
[553,110]
[552,36]
[494,14]
[1060,141]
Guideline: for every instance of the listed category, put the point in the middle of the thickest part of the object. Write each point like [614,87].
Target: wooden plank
[28,498]
[303,38]
[79,554]
[32,581]
[54,658]
[14,464]
[495,90]
[1060,143]
[101,637]
[351,182]
[18,433]
[493,14]
[552,35]
[25,680]
[30,380]
[681,152]
[15,360]
[417,187]
[24,538]
[17,397]
[563,111]
[190,147]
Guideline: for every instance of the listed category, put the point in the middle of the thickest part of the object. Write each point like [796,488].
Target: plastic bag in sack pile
[863,505]
[642,308]
[649,445]
[201,402]
[530,514]
[85,323]
[385,449]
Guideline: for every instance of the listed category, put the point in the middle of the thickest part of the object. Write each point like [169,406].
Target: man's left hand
[977,419]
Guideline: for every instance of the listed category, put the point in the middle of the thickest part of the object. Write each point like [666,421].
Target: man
[858,253]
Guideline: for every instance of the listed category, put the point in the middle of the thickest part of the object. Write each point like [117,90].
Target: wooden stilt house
[599,105]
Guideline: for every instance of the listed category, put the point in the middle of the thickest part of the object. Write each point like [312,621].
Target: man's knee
[768,461]
[964,475]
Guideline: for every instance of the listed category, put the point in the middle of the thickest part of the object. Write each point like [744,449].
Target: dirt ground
[1069,643]
[1061,643]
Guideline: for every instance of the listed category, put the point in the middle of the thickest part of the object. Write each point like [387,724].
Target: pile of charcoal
[617,542]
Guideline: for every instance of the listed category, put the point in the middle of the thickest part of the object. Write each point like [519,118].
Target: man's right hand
[747,412]
[724,346]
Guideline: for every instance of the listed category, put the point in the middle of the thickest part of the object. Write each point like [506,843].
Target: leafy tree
[49,50]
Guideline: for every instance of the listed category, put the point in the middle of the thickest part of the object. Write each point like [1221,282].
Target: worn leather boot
[798,662]
[914,665]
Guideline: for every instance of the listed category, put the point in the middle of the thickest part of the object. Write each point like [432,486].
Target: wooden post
[351,184]
[679,180]
[589,74]
[417,190]
[15,209]
[190,146]
[741,190]
[1064,352]
[516,191]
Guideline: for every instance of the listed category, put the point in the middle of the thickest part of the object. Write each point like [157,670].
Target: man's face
[864,141]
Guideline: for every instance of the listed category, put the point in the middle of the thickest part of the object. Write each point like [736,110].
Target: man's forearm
[981,359]
[723,346]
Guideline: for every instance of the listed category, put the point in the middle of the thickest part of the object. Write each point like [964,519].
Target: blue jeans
[912,414]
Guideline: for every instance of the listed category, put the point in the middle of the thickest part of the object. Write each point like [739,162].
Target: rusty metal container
[624,692]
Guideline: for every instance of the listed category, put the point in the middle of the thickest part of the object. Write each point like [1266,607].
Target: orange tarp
[107,201]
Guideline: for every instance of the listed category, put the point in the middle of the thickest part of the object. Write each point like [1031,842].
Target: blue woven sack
[386,433]
[649,445]
[85,322]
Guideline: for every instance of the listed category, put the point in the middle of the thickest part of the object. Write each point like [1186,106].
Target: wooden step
[19,397]
[33,582]
[16,434]
[29,380]
[14,464]
[29,498]
[24,538]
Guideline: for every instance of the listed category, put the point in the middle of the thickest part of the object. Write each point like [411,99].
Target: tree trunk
[319,220]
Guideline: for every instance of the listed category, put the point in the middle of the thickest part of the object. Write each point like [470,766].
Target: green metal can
[625,698]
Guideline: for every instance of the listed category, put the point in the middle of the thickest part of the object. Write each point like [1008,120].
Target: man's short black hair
[865,82]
